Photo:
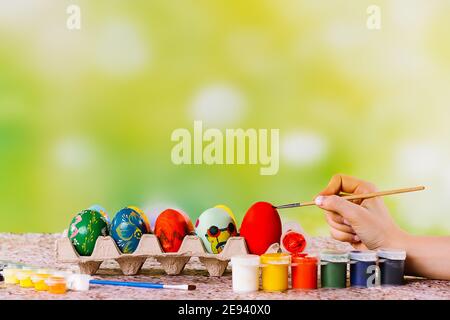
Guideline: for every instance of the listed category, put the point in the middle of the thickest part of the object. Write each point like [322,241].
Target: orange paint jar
[57,285]
[304,272]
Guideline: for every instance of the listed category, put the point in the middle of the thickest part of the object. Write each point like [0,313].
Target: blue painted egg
[127,228]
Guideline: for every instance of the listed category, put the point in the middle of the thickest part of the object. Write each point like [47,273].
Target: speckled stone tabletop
[39,250]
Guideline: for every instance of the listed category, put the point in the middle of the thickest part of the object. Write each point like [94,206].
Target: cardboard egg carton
[173,263]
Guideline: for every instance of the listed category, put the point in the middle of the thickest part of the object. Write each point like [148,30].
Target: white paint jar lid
[246,260]
[78,282]
[392,254]
[334,256]
[366,255]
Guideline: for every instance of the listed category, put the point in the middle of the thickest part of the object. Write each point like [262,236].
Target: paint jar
[245,270]
[333,269]
[24,277]
[392,266]
[363,266]
[39,281]
[78,282]
[275,268]
[56,284]
[293,238]
[304,271]
[10,274]
[292,242]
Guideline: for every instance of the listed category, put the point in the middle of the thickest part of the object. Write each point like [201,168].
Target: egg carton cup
[173,263]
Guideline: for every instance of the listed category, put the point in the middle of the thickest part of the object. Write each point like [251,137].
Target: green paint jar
[333,269]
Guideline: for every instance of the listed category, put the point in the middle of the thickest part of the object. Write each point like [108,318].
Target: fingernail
[346,222]
[319,200]
[356,239]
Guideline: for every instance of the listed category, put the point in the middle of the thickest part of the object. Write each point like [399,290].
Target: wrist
[397,239]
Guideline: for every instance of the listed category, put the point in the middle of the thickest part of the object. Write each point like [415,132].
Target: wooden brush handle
[371,195]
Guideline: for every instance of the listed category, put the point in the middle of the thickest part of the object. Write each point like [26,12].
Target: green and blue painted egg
[84,230]
[127,228]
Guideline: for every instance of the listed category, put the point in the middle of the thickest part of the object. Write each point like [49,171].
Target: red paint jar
[293,242]
[304,272]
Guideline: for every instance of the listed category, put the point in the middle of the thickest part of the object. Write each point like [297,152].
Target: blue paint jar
[363,265]
[392,266]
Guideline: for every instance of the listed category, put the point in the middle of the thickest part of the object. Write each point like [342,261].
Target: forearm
[427,257]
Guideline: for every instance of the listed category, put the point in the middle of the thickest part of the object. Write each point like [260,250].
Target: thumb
[346,209]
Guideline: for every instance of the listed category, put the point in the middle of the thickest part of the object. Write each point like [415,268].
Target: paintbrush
[147,285]
[354,197]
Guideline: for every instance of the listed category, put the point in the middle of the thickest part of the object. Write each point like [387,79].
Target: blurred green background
[86,115]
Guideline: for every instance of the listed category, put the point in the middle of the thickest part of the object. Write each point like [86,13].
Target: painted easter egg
[228,210]
[127,228]
[171,227]
[261,227]
[101,210]
[84,230]
[214,227]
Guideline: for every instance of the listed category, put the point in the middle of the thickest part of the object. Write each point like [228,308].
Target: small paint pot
[24,277]
[245,271]
[56,284]
[392,266]
[293,242]
[275,270]
[363,265]
[304,272]
[78,282]
[39,283]
[10,275]
[333,269]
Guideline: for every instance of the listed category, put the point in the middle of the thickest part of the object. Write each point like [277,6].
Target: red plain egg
[171,227]
[261,227]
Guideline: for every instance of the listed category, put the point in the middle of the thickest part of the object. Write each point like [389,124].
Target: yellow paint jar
[275,273]
[39,281]
[10,275]
[24,277]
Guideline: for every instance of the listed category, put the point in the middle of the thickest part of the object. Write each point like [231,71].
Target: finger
[341,236]
[372,203]
[343,183]
[365,187]
[338,218]
[339,226]
[348,210]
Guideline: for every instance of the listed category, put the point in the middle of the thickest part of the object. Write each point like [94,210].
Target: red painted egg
[261,227]
[171,227]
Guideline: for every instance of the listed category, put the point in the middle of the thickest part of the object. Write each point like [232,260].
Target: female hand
[365,224]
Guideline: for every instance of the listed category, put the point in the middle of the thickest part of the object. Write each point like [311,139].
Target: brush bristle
[191,287]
